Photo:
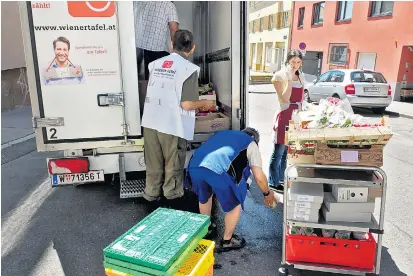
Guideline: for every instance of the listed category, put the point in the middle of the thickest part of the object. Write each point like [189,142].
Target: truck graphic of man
[61,70]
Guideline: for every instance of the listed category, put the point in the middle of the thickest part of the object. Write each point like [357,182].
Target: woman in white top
[289,84]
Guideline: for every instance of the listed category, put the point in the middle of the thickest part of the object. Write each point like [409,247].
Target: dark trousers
[144,57]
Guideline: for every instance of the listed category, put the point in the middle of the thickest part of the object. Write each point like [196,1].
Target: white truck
[85,95]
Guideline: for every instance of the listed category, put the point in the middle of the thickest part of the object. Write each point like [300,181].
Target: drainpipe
[291,26]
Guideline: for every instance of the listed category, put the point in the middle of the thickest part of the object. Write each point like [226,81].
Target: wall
[385,36]
[14,88]
[12,51]
[406,59]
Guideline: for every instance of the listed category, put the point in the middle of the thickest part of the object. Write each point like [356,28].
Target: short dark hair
[183,41]
[61,39]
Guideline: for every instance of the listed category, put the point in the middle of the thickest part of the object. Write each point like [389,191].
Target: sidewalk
[16,126]
[402,109]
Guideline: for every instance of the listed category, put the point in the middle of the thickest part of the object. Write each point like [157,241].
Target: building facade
[361,34]
[269,32]
[14,87]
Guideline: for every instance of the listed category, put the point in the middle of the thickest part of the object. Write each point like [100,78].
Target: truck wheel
[379,110]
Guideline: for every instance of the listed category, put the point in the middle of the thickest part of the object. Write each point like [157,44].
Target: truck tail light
[68,165]
[389,91]
[350,89]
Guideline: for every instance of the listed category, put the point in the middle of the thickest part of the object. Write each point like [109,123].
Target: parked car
[363,88]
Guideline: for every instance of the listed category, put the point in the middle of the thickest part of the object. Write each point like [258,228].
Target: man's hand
[270,199]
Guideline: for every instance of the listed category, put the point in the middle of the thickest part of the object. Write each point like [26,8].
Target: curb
[396,114]
[17,141]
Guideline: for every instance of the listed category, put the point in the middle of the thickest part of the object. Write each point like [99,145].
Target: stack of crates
[166,243]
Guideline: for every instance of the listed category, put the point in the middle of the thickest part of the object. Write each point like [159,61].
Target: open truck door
[82,74]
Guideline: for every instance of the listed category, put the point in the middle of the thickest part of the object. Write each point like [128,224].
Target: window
[271,22]
[268,53]
[338,55]
[254,26]
[366,76]
[324,77]
[345,10]
[381,8]
[318,13]
[337,76]
[286,16]
[261,24]
[301,17]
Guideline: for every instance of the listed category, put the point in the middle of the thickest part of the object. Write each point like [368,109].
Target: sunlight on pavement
[15,224]
[49,264]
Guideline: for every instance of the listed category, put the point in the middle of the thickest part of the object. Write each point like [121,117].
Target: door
[366,61]
[78,52]
[318,89]
[226,56]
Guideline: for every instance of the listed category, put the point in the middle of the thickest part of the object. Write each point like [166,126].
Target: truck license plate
[73,178]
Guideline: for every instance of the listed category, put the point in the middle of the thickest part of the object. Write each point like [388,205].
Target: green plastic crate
[159,239]
[135,269]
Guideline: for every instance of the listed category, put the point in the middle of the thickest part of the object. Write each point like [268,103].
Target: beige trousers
[165,162]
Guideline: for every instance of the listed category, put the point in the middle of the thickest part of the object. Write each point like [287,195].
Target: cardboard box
[307,192]
[303,204]
[350,194]
[345,216]
[210,98]
[211,123]
[302,211]
[349,156]
[302,217]
[333,206]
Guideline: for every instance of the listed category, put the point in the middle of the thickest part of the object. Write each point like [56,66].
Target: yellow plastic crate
[200,261]
[112,272]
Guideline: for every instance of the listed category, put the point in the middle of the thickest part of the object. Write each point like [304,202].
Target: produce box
[352,146]
[211,122]
[354,156]
[212,97]
[158,241]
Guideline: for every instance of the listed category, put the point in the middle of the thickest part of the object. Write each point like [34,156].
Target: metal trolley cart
[372,177]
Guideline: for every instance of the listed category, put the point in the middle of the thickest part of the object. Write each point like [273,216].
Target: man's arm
[173,21]
[255,161]
[173,27]
[190,96]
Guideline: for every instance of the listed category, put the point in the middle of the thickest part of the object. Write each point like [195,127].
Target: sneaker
[212,232]
[235,243]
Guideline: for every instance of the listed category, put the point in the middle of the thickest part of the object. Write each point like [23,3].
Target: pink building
[375,35]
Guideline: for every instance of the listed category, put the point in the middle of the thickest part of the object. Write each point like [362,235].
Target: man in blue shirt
[222,165]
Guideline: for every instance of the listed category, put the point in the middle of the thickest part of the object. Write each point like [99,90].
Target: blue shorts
[205,182]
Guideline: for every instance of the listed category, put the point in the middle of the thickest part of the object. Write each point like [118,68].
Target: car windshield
[372,77]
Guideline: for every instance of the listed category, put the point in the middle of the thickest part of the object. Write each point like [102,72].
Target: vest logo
[91,8]
[167,64]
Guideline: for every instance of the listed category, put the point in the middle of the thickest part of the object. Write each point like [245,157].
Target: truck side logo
[91,8]
[167,64]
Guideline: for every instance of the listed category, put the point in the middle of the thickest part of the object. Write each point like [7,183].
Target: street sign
[302,46]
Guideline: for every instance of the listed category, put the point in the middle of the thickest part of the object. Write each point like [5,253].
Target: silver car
[363,88]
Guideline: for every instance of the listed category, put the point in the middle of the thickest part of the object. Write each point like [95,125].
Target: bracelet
[267,193]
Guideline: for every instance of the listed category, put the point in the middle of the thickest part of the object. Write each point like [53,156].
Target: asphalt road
[62,231]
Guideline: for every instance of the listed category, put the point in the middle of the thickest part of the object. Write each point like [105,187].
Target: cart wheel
[283,271]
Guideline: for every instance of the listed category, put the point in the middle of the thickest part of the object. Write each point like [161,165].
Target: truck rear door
[81,63]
